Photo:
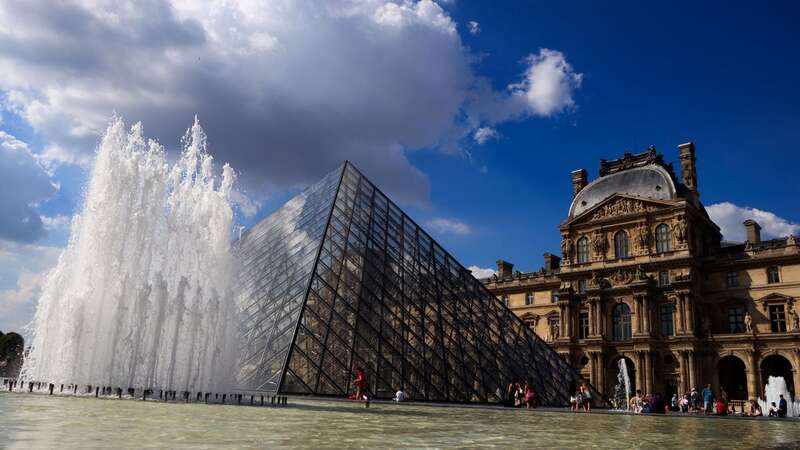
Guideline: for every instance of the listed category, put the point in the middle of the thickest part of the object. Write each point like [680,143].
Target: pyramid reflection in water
[340,278]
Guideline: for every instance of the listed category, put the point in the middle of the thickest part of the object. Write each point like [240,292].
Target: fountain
[140,298]
[623,390]
[776,386]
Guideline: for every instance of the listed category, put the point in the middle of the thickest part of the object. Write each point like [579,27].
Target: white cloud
[286,90]
[23,268]
[485,134]
[56,223]
[479,272]
[730,218]
[24,184]
[449,226]
[474,27]
[548,84]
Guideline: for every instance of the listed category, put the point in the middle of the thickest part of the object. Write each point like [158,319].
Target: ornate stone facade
[645,276]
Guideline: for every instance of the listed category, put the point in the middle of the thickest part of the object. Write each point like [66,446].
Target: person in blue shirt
[708,400]
[782,407]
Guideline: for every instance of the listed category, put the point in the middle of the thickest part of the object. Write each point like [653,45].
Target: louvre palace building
[645,276]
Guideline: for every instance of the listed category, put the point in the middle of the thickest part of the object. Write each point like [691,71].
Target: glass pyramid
[340,278]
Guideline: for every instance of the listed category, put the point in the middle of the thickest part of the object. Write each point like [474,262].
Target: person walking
[530,394]
[782,407]
[694,399]
[708,400]
[360,382]
[586,396]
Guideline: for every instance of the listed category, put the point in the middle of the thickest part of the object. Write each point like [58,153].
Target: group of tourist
[705,402]
[582,399]
[520,394]
[648,404]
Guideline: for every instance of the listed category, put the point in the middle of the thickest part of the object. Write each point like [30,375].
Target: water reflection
[37,421]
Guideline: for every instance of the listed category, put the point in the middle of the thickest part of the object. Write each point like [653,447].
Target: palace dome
[650,181]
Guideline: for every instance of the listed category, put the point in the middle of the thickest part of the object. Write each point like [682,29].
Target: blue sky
[403,90]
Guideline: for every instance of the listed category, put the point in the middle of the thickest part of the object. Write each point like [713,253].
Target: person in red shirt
[720,408]
[360,382]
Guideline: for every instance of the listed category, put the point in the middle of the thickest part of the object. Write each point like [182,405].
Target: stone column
[646,314]
[636,316]
[796,373]
[601,372]
[692,372]
[593,368]
[640,371]
[689,304]
[598,318]
[753,383]
[684,382]
[648,372]
[676,315]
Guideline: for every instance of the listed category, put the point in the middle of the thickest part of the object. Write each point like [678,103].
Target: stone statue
[680,230]
[554,332]
[688,173]
[705,326]
[640,273]
[594,281]
[644,237]
[748,322]
[566,248]
[599,242]
[795,320]
[791,240]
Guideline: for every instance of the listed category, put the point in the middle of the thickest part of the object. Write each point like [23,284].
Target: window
[777,318]
[772,275]
[583,325]
[663,239]
[505,300]
[622,323]
[665,317]
[529,298]
[581,286]
[663,278]
[621,244]
[553,297]
[736,319]
[732,279]
[583,250]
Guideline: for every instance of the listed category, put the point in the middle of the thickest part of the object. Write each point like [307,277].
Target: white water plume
[141,297]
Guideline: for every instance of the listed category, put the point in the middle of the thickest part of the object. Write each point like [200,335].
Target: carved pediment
[618,205]
[775,298]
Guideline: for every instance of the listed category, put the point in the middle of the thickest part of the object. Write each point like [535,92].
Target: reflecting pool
[39,421]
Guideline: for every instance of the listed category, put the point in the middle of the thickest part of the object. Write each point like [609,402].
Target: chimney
[504,269]
[753,230]
[579,181]
[688,169]
[551,262]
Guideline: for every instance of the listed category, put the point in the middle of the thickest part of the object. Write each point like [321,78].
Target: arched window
[622,323]
[663,238]
[621,244]
[583,250]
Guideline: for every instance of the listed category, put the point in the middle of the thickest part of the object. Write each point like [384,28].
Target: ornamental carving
[600,243]
[643,237]
[681,231]
[566,248]
[619,207]
[622,277]
[628,276]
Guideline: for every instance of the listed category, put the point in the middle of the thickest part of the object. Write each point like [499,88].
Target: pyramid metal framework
[340,278]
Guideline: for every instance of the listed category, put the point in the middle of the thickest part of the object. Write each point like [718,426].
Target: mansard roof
[649,181]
